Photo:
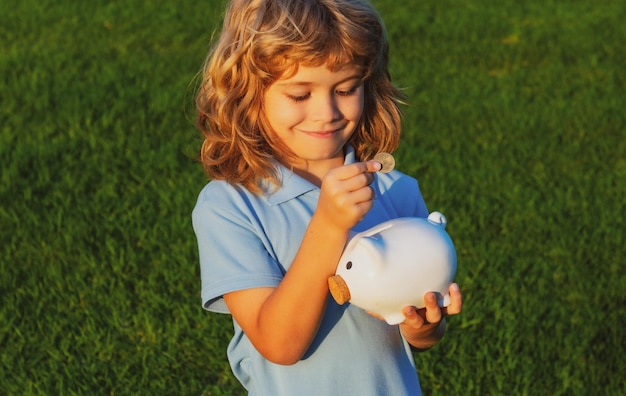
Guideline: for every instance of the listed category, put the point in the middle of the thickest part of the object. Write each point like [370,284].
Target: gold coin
[386,160]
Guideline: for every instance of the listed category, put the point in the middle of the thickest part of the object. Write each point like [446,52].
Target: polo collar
[293,186]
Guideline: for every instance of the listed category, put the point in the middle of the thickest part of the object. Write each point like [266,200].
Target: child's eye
[299,98]
[348,92]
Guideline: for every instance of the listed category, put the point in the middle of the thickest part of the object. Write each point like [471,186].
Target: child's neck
[314,171]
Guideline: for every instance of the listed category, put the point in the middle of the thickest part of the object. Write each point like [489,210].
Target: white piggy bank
[394,264]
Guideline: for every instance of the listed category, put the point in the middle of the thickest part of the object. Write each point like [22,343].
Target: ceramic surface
[394,264]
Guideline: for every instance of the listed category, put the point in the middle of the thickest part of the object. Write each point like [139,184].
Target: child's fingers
[373,166]
[456,300]
[346,194]
[350,178]
[349,171]
[433,311]
[413,318]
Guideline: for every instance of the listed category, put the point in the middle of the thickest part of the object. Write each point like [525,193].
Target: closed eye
[348,92]
[299,98]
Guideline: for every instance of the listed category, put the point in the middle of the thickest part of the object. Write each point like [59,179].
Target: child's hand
[424,327]
[346,195]
[432,313]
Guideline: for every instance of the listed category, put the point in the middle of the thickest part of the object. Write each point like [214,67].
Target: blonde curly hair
[261,41]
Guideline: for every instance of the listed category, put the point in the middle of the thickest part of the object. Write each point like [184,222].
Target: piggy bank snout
[339,289]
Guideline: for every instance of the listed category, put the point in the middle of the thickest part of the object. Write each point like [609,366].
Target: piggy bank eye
[349,265]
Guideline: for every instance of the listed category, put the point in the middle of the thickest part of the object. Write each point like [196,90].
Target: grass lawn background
[515,129]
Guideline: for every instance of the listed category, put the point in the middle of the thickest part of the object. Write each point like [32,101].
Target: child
[295,101]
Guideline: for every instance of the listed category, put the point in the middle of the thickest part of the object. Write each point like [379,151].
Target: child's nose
[326,109]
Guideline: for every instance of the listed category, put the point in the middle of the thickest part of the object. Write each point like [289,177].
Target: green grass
[516,131]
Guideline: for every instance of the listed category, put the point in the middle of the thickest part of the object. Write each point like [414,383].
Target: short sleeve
[231,245]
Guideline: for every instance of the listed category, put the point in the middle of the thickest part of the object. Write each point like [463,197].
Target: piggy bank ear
[438,219]
[372,247]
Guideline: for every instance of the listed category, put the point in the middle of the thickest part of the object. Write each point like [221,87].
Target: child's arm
[281,322]
[424,327]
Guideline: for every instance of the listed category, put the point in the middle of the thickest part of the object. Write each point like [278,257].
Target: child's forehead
[305,71]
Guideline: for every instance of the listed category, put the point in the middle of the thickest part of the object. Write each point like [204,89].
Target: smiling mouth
[323,134]
[320,134]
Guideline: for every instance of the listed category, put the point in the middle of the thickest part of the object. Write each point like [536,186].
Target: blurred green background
[515,129]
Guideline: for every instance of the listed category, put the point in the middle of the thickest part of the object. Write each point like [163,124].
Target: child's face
[315,111]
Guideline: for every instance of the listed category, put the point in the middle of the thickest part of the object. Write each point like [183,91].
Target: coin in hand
[386,160]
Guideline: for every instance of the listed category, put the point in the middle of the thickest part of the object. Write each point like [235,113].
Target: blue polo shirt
[249,241]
